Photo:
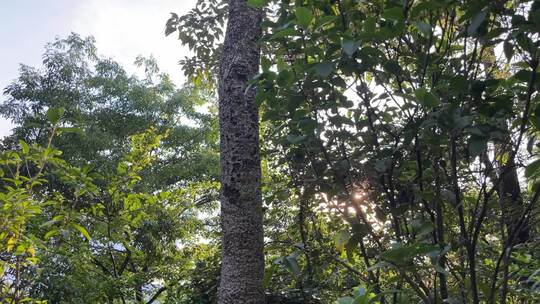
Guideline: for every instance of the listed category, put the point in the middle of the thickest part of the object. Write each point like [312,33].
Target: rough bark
[509,191]
[512,202]
[242,268]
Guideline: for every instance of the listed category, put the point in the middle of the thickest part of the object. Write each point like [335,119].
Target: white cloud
[125,29]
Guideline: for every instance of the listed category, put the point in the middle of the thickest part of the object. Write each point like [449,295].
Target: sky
[123,29]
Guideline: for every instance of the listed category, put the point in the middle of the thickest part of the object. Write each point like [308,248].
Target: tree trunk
[242,267]
[513,206]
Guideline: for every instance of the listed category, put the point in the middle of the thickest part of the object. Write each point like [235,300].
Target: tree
[21,174]
[406,123]
[242,257]
[137,194]
[107,105]
[411,122]
[400,161]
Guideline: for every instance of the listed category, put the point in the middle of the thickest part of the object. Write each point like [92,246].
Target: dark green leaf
[307,125]
[477,145]
[349,47]
[324,69]
[395,13]
[291,264]
[284,33]
[426,98]
[476,22]
[404,253]
[392,67]
[54,115]
[369,25]
[523,75]
[532,169]
[294,139]
[508,50]
[303,16]
[423,28]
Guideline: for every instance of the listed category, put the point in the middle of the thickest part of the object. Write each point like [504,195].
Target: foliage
[201,29]
[107,105]
[21,208]
[406,132]
[134,235]
[403,120]
[119,214]
[400,160]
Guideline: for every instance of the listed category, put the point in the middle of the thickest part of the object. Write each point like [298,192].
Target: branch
[101,266]
[125,263]
[156,295]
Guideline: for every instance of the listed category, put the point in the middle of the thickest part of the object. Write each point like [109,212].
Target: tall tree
[242,267]
[137,197]
[108,105]
[402,127]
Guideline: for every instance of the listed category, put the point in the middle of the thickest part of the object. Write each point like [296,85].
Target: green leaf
[349,47]
[423,28]
[70,130]
[341,239]
[265,64]
[257,3]
[477,145]
[307,125]
[284,33]
[345,300]
[291,264]
[392,67]
[51,233]
[82,230]
[281,64]
[476,22]
[359,291]
[508,49]
[268,273]
[379,265]
[395,13]
[530,144]
[523,75]
[425,229]
[440,269]
[303,16]
[369,25]
[54,115]
[24,146]
[50,223]
[525,42]
[324,69]
[294,139]
[362,300]
[404,253]
[426,98]
[532,169]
